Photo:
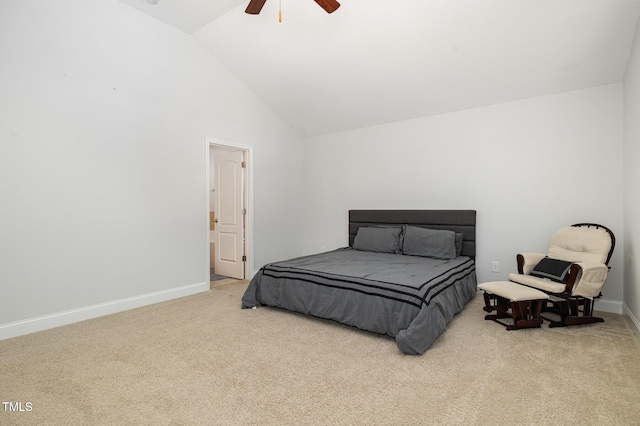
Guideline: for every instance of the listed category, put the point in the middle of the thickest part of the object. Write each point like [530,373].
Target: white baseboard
[45,322]
[606,305]
[632,320]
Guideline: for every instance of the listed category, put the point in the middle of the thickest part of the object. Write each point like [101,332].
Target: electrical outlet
[495,266]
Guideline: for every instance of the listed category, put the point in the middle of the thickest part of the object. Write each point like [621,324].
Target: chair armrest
[527,261]
[591,279]
[575,273]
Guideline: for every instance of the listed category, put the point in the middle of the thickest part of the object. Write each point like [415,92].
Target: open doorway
[229,211]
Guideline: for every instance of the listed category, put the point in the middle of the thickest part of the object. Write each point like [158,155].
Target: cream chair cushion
[539,283]
[580,244]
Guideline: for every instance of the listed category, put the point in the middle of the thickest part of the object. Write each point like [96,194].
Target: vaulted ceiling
[379,61]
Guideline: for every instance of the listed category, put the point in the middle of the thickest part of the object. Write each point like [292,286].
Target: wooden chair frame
[524,313]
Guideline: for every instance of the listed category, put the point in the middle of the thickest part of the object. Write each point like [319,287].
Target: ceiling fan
[255,6]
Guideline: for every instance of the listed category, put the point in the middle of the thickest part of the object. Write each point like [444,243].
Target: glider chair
[572,273]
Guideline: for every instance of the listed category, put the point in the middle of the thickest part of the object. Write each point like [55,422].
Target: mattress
[408,298]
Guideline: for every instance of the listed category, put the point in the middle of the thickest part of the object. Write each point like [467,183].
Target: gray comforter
[406,297]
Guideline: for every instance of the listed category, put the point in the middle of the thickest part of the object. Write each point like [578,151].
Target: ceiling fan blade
[328,5]
[255,6]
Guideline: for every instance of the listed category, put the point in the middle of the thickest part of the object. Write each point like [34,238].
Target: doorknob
[215,220]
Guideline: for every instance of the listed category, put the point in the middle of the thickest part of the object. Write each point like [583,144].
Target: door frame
[248,202]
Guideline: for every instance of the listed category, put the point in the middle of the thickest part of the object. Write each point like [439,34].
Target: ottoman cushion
[512,291]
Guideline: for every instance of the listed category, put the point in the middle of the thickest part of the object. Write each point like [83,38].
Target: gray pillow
[459,239]
[555,269]
[379,239]
[439,244]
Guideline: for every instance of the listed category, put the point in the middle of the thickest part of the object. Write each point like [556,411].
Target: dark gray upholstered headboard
[454,220]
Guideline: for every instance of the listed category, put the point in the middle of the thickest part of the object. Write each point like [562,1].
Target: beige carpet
[201,360]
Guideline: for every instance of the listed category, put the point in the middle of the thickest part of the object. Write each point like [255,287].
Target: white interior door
[229,228]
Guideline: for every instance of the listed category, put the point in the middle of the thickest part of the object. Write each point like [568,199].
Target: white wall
[632,183]
[104,115]
[527,167]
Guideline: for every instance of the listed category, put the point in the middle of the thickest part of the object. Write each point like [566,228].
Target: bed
[399,277]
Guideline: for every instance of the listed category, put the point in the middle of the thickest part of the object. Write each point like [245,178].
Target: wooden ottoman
[521,303]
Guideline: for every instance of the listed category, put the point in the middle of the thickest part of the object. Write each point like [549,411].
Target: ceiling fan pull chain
[280,11]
